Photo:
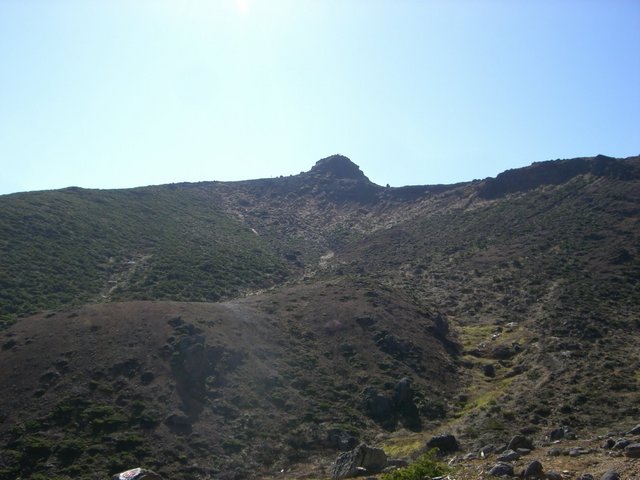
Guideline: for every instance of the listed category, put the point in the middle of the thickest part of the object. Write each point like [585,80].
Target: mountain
[239,329]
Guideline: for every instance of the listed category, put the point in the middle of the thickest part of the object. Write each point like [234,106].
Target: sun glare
[242,6]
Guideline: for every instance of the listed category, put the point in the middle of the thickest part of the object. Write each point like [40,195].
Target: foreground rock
[444,443]
[610,475]
[137,474]
[502,469]
[520,441]
[632,450]
[534,470]
[361,460]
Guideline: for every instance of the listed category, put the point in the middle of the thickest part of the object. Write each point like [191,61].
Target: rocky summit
[320,325]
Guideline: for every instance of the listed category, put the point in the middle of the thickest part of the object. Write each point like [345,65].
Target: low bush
[424,466]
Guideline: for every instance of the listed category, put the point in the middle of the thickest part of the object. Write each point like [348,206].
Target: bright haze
[114,94]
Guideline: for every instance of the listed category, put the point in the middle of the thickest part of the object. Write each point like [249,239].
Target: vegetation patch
[426,466]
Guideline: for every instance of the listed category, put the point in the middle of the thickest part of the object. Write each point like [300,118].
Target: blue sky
[114,93]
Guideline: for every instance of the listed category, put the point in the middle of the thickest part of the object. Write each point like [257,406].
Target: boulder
[578,452]
[534,470]
[621,444]
[635,430]
[508,456]
[137,474]
[377,405]
[402,392]
[503,352]
[632,450]
[501,469]
[559,433]
[178,423]
[444,443]
[610,475]
[608,443]
[489,370]
[486,450]
[553,475]
[520,441]
[361,460]
[554,452]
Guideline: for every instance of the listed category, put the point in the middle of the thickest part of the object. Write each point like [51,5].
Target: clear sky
[121,93]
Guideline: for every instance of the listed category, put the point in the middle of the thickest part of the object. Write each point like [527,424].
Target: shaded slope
[232,388]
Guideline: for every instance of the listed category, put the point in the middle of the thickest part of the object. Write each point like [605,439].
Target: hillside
[237,329]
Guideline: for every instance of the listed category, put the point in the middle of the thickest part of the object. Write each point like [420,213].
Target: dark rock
[178,423]
[578,452]
[9,344]
[523,451]
[341,439]
[377,405]
[610,475]
[338,166]
[405,406]
[403,393]
[586,476]
[635,430]
[609,443]
[470,456]
[396,347]
[508,456]
[137,474]
[489,370]
[501,448]
[501,469]
[440,326]
[553,475]
[520,441]
[558,433]
[533,470]
[362,459]
[503,352]
[632,450]
[621,444]
[365,322]
[486,450]
[444,443]
[554,452]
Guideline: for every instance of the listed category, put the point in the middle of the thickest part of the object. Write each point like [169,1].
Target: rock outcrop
[362,460]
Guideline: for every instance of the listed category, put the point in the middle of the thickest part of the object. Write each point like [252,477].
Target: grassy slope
[74,246]
[563,262]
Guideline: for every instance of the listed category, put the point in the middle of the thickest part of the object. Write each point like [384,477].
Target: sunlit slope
[73,246]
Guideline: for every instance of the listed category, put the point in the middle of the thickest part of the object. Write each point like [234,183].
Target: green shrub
[424,466]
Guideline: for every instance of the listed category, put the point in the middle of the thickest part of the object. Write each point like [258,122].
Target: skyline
[123,94]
